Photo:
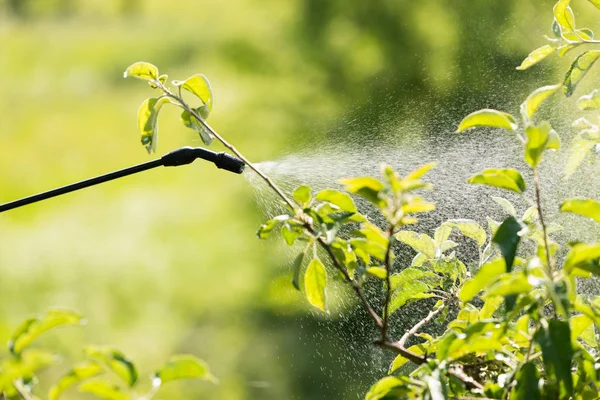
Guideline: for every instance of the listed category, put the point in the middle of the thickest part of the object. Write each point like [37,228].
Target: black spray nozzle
[187,155]
[183,156]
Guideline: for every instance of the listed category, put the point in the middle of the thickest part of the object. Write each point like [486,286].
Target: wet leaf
[302,195]
[536,56]
[370,247]
[554,338]
[32,328]
[115,361]
[539,139]
[564,15]
[508,237]
[469,228]
[315,280]
[585,207]
[142,70]
[377,272]
[399,361]
[535,99]
[104,390]
[372,233]
[78,373]
[183,367]
[422,243]
[342,200]
[486,274]
[589,101]
[584,256]
[419,172]
[580,66]
[367,187]
[489,118]
[509,179]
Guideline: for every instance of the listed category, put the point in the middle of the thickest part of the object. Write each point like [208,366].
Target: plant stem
[538,199]
[26,394]
[388,286]
[420,324]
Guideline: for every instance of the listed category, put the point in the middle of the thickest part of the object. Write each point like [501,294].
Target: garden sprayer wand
[182,156]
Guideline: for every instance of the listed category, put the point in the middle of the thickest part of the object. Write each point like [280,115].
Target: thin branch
[420,324]
[26,394]
[388,286]
[538,199]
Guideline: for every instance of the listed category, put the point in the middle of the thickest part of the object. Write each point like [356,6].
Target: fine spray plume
[182,156]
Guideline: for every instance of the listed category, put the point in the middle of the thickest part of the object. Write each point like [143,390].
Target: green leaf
[315,280]
[554,338]
[584,256]
[589,101]
[508,237]
[342,200]
[78,373]
[556,31]
[148,121]
[399,361]
[486,274]
[370,247]
[527,387]
[596,3]
[490,118]
[422,243]
[508,285]
[30,329]
[564,15]
[579,149]
[372,233]
[582,327]
[536,56]
[389,387]
[297,268]
[142,70]
[509,179]
[539,139]
[419,172]
[183,366]
[200,86]
[191,122]
[104,390]
[506,205]
[585,207]
[535,99]
[411,284]
[266,229]
[469,228]
[580,66]
[367,187]
[302,195]
[377,272]
[115,361]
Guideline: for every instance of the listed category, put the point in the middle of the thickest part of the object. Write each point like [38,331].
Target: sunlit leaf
[509,179]
[183,367]
[539,139]
[535,99]
[315,280]
[527,387]
[417,206]
[555,341]
[142,70]
[506,205]
[399,361]
[297,268]
[564,15]
[585,207]
[378,272]
[302,195]
[32,328]
[370,247]
[367,187]
[509,284]
[389,387]
[342,200]
[486,274]
[192,122]
[419,172]
[589,101]
[266,229]
[596,3]
[584,256]
[469,228]
[536,56]
[372,233]
[411,284]
[422,243]
[490,118]
[116,361]
[200,86]
[148,121]
[78,373]
[104,390]
[508,237]
[580,66]
[582,327]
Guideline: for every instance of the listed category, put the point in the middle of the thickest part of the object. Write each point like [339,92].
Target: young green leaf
[183,367]
[191,122]
[399,361]
[370,247]
[536,56]
[142,70]
[589,101]
[78,373]
[539,139]
[342,200]
[509,179]
[104,390]
[419,172]
[564,15]
[200,86]
[580,66]
[535,99]
[486,274]
[596,3]
[554,338]
[508,237]
[490,118]
[315,280]
[584,256]
[302,195]
[586,207]
[32,328]
[422,243]
[527,387]
[265,229]
[386,386]
[469,228]
[148,121]
[506,205]
[377,272]
[579,149]
[367,187]
[115,361]
[297,268]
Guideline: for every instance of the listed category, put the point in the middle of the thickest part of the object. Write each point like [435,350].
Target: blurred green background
[167,261]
